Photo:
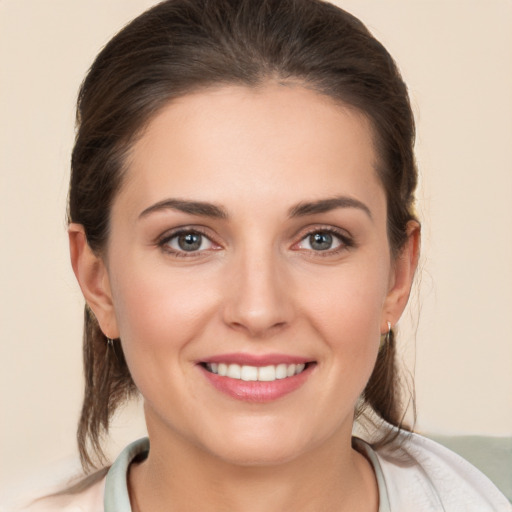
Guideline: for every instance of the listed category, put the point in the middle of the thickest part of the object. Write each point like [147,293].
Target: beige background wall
[457,59]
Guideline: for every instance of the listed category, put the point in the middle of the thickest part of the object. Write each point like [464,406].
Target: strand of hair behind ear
[107,384]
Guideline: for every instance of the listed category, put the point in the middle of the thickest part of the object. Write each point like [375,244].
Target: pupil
[321,241]
[189,242]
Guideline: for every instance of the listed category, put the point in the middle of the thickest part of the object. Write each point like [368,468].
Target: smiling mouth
[256,373]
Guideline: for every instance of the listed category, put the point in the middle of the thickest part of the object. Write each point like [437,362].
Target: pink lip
[256,391]
[256,359]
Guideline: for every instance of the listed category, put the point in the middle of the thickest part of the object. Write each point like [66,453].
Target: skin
[256,286]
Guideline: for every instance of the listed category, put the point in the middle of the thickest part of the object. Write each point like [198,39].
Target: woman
[242,228]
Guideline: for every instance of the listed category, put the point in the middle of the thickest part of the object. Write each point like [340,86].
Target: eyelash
[346,242]
[165,239]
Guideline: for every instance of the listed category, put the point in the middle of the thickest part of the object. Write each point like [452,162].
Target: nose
[258,298]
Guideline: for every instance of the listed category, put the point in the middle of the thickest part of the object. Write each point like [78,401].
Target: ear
[92,276]
[401,277]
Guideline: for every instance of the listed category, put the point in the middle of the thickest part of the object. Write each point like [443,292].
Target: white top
[419,476]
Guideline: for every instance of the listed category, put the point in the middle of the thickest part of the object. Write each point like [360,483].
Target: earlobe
[403,270]
[92,276]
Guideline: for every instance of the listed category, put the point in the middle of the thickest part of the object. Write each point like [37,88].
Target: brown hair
[180,46]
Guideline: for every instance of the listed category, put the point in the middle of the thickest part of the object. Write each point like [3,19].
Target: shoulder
[86,496]
[105,488]
[423,475]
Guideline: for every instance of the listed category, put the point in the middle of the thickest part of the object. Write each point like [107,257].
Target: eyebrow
[200,208]
[302,209]
[325,205]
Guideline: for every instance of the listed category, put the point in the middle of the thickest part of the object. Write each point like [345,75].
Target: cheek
[159,312]
[350,301]
[346,309]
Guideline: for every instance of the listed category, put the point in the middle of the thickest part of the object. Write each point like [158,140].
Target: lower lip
[256,391]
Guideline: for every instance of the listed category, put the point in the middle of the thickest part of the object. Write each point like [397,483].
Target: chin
[263,444]
[249,453]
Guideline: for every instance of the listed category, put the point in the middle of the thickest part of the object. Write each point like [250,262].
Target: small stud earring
[384,338]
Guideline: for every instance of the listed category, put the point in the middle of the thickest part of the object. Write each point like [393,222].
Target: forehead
[246,143]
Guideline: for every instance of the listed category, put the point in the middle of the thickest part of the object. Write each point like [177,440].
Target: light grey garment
[413,474]
[117,498]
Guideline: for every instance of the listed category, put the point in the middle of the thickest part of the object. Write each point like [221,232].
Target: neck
[179,477]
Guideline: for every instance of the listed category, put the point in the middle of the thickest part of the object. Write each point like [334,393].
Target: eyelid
[346,239]
[164,239]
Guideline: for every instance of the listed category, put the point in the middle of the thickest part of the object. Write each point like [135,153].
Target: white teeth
[256,373]
[249,373]
[234,371]
[267,373]
[281,371]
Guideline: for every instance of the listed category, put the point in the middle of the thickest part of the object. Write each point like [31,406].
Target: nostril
[258,327]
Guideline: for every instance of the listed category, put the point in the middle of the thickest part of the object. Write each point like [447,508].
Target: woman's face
[249,238]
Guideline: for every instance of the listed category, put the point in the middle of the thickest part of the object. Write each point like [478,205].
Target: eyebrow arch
[325,205]
[302,209]
[200,208]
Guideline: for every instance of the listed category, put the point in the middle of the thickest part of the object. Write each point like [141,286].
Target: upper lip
[256,359]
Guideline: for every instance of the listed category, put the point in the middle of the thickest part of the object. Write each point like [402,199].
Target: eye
[326,240]
[189,241]
[320,241]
